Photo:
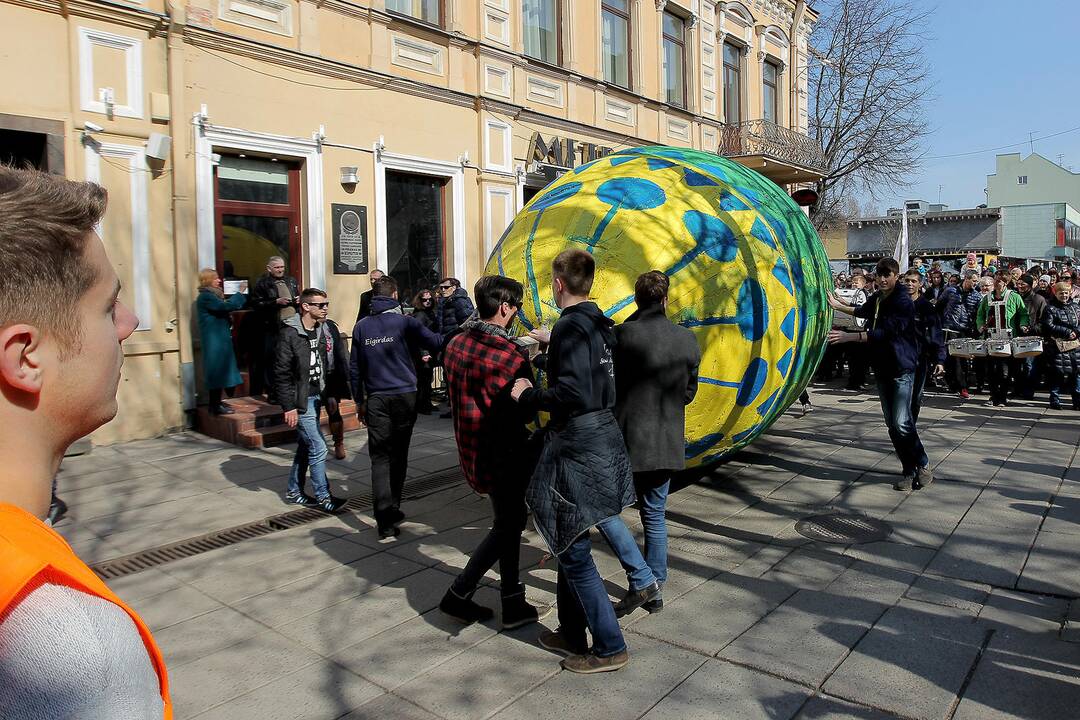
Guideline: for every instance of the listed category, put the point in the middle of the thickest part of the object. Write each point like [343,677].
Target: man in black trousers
[384,386]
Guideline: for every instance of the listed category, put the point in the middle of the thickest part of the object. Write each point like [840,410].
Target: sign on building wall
[350,239]
[564,152]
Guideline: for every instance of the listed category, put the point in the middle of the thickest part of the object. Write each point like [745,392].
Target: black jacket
[264,298]
[656,376]
[451,312]
[890,329]
[958,308]
[365,305]
[1036,307]
[583,477]
[1058,321]
[932,347]
[292,367]
[579,364]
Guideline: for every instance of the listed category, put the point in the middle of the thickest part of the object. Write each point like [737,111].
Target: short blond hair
[207,277]
[45,223]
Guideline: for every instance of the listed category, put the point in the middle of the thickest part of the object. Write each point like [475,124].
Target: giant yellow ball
[748,274]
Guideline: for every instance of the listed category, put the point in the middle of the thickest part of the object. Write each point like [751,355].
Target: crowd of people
[615,397]
[978,302]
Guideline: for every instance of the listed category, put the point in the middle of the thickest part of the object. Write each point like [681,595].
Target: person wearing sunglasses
[300,374]
[424,310]
[482,364]
[454,306]
[894,355]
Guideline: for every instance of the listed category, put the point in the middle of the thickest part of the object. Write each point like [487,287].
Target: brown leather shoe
[555,641]
[339,451]
[588,664]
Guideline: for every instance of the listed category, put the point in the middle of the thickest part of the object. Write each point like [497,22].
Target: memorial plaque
[350,239]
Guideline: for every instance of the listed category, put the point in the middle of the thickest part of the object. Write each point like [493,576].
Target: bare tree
[869,86]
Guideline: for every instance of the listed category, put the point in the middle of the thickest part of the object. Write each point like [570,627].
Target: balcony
[782,155]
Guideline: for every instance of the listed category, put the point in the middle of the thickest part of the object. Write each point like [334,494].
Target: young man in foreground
[69,648]
[300,374]
[583,476]
[894,355]
[482,363]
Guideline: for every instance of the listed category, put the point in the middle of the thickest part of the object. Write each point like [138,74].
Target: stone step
[256,423]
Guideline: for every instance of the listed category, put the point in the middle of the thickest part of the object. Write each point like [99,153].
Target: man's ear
[21,358]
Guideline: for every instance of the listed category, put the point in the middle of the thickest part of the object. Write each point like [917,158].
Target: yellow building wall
[459,96]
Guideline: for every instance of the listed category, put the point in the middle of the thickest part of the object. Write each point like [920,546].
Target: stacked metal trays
[1029,346]
[967,348]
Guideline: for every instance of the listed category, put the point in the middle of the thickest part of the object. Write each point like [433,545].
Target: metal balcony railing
[761,137]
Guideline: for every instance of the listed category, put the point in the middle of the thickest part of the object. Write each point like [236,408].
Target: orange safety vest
[28,547]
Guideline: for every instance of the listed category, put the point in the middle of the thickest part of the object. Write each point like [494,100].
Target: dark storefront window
[415,231]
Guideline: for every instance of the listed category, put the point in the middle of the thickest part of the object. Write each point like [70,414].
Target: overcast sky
[1001,69]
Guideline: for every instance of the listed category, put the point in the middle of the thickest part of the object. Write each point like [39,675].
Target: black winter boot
[516,610]
[464,609]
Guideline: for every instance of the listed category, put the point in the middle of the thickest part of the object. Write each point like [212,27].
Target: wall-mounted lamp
[348,175]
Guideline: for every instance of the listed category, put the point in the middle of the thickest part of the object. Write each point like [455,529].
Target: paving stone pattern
[968,610]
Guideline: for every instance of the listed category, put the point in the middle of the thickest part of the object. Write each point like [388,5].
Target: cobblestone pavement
[968,609]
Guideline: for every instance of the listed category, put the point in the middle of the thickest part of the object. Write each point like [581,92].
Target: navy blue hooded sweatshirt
[382,350]
[890,330]
[579,363]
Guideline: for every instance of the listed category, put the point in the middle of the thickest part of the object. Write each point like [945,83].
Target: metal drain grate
[843,529]
[154,557]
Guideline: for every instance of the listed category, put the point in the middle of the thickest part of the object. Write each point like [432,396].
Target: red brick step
[256,423]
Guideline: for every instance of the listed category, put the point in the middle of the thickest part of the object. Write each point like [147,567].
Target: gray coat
[656,377]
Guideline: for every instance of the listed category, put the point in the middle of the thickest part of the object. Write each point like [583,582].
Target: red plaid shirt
[481,369]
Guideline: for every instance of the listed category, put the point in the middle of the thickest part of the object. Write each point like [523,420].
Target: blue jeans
[896,396]
[918,387]
[642,571]
[1029,377]
[583,601]
[310,452]
[1069,382]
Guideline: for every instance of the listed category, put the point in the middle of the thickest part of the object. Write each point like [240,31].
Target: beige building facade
[345,136]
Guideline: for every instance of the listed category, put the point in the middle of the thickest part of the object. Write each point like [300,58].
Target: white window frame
[211,139]
[453,172]
[140,219]
[88,94]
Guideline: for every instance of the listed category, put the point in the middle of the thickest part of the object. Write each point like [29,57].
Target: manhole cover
[843,529]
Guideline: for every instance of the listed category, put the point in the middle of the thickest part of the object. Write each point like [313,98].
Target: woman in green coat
[215,328]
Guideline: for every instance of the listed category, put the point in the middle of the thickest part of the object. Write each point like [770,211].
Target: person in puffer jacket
[583,476]
[1061,323]
[958,307]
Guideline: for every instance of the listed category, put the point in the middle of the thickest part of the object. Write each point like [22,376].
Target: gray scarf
[475,323]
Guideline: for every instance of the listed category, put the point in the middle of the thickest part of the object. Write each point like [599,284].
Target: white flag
[900,254]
